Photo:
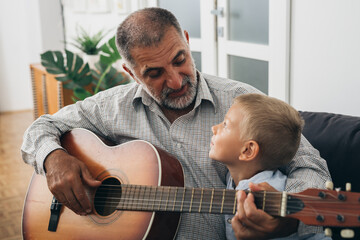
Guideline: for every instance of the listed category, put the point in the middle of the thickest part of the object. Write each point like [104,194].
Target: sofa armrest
[337,137]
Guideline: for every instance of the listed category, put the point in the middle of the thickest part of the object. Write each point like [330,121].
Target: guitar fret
[160,199]
[182,202]
[153,200]
[167,199]
[264,201]
[135,198]
[234,208]
[140,198]
[201,198]
[176,190]
[148,197]
[191,201]
[211,201]
[222,202]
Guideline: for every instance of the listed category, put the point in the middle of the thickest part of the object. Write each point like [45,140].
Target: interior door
[195,17]
[253,43]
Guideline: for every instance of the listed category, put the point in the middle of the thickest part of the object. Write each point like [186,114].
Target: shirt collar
[203,93]
[263,176]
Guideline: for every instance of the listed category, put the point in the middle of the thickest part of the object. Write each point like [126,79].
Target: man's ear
[249,151]
[186,34]
[129,72]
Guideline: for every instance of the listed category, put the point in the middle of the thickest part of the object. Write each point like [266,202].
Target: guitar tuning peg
[329,185]
[328,232]
[347,233]
[348,187]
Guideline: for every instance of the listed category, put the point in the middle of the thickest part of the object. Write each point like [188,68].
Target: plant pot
[91,60]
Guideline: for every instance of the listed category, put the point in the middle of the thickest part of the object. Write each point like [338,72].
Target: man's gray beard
[180,102]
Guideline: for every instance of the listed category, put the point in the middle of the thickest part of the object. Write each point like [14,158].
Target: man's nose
[174,80]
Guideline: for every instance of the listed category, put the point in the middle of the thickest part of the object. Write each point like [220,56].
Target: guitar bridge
[55,209]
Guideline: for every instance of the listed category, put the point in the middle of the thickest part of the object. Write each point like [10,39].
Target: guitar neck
[312,206]
[193,200]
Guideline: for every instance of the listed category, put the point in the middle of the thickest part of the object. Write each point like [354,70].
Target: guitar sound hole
[107,196]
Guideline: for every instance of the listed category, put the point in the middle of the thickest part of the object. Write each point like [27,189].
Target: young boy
[258,135]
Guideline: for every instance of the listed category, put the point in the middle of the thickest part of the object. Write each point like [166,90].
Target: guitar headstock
[321,207]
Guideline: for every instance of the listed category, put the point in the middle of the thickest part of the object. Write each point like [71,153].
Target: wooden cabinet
[48,93]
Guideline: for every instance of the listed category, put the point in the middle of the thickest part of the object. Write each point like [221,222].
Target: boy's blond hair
[274,125]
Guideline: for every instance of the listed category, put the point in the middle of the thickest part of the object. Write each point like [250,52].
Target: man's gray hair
[144,28]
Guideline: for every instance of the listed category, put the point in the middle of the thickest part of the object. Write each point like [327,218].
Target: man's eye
[154,73]
[179,62]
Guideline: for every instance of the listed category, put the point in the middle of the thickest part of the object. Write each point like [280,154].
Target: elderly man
[173,106]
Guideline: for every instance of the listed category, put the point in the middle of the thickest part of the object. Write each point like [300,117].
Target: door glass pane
[250,71]
[249,21]
[187,12]
[197,59]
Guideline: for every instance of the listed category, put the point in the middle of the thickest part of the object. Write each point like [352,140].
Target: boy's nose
[213,129]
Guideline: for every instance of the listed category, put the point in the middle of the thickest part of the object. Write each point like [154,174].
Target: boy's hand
[252,223]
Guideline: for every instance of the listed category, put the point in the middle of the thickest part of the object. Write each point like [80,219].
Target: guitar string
[140,189]
[218,191]
[139,206]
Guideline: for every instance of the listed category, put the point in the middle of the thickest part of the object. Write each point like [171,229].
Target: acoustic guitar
[142,196]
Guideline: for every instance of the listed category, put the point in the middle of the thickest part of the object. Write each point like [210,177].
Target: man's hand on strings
[252,223]
[66,178]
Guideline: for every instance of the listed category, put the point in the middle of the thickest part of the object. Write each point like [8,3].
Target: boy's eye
[224,124]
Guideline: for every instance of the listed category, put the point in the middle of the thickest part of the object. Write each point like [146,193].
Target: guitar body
[136,162]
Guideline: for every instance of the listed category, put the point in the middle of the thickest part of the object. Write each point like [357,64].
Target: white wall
[26,30]
[325,56]
[325,49]
[15,89]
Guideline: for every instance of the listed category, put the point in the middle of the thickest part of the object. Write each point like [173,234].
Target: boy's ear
[249,151]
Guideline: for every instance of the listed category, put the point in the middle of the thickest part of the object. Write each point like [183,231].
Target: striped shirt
[129,112]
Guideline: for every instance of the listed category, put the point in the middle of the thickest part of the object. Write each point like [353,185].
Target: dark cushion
[337,137]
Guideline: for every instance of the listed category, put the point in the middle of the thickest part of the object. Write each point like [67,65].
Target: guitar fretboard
[180,199]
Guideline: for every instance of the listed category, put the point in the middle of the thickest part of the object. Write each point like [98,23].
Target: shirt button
[229,220]
[178,145]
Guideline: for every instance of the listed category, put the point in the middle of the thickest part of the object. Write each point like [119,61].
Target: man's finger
[88,179]
[81,197]
[253,213]
[72,203]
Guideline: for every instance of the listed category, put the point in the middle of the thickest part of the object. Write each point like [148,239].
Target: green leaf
[70,85]
[77,71]
[112,78]
[74,73]
[53,61]
[81,93]
[109,54]
[62,79]
[88,43]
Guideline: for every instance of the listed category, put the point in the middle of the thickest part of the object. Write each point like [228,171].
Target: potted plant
[75,74]
[89,44]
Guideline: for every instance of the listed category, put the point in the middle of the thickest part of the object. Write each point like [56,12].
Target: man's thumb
[88,179]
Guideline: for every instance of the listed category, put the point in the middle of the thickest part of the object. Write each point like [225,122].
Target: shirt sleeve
[306,170]
[43,136]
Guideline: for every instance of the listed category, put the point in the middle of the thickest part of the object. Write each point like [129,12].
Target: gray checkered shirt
[129,112]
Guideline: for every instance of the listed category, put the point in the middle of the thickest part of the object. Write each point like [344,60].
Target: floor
[14,173]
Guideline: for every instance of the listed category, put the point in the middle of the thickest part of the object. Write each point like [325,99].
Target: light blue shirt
[277,180]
